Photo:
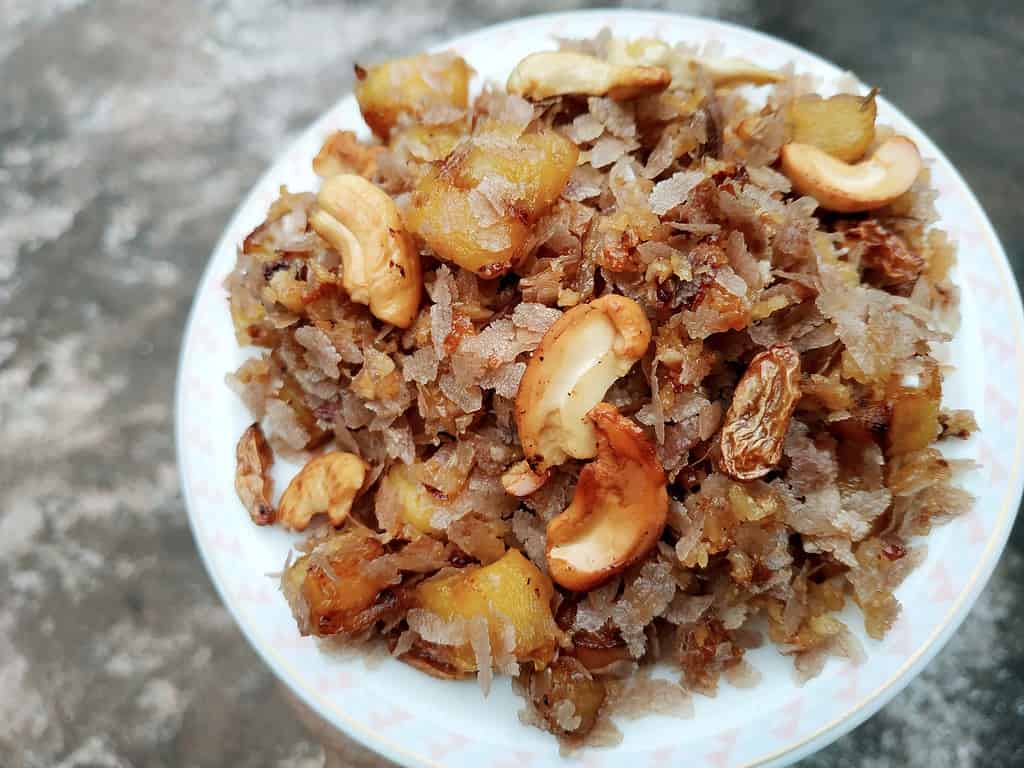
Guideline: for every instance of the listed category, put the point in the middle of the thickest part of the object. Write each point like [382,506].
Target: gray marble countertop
[128,133]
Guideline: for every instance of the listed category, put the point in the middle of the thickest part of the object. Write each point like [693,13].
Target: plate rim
[924,652]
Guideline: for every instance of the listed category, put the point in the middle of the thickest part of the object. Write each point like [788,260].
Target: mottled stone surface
[128,132]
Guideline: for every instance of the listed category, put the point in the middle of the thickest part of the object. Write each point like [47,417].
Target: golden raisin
[253,483]
[755,426]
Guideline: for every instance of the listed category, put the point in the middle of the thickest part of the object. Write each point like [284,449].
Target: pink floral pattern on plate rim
[418,721]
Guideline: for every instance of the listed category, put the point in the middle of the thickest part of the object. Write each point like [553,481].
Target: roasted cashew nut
[618,510]
[327,484]
[563,73]
[380,265]
[846,188]
[723,72]
[726,72]
[580,357]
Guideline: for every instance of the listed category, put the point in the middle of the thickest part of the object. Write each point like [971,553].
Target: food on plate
[327,484]
[587,350]
[430,89]
[477,206]
[253,483]
[566,695]
[754,429]
[618,508]
[683,66]
[379,267]
[842,125]
[631,360]
[479,615]
[565,73]
[865,186]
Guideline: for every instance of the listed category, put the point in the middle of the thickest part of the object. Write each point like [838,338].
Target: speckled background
[128,133]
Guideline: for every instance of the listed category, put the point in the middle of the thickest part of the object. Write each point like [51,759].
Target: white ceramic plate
[419,721]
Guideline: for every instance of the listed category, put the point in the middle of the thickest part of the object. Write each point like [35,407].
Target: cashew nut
[846,188]
[579,358]
[380,266]
[723,72]
[328,483]
[618,510]
[563,73]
